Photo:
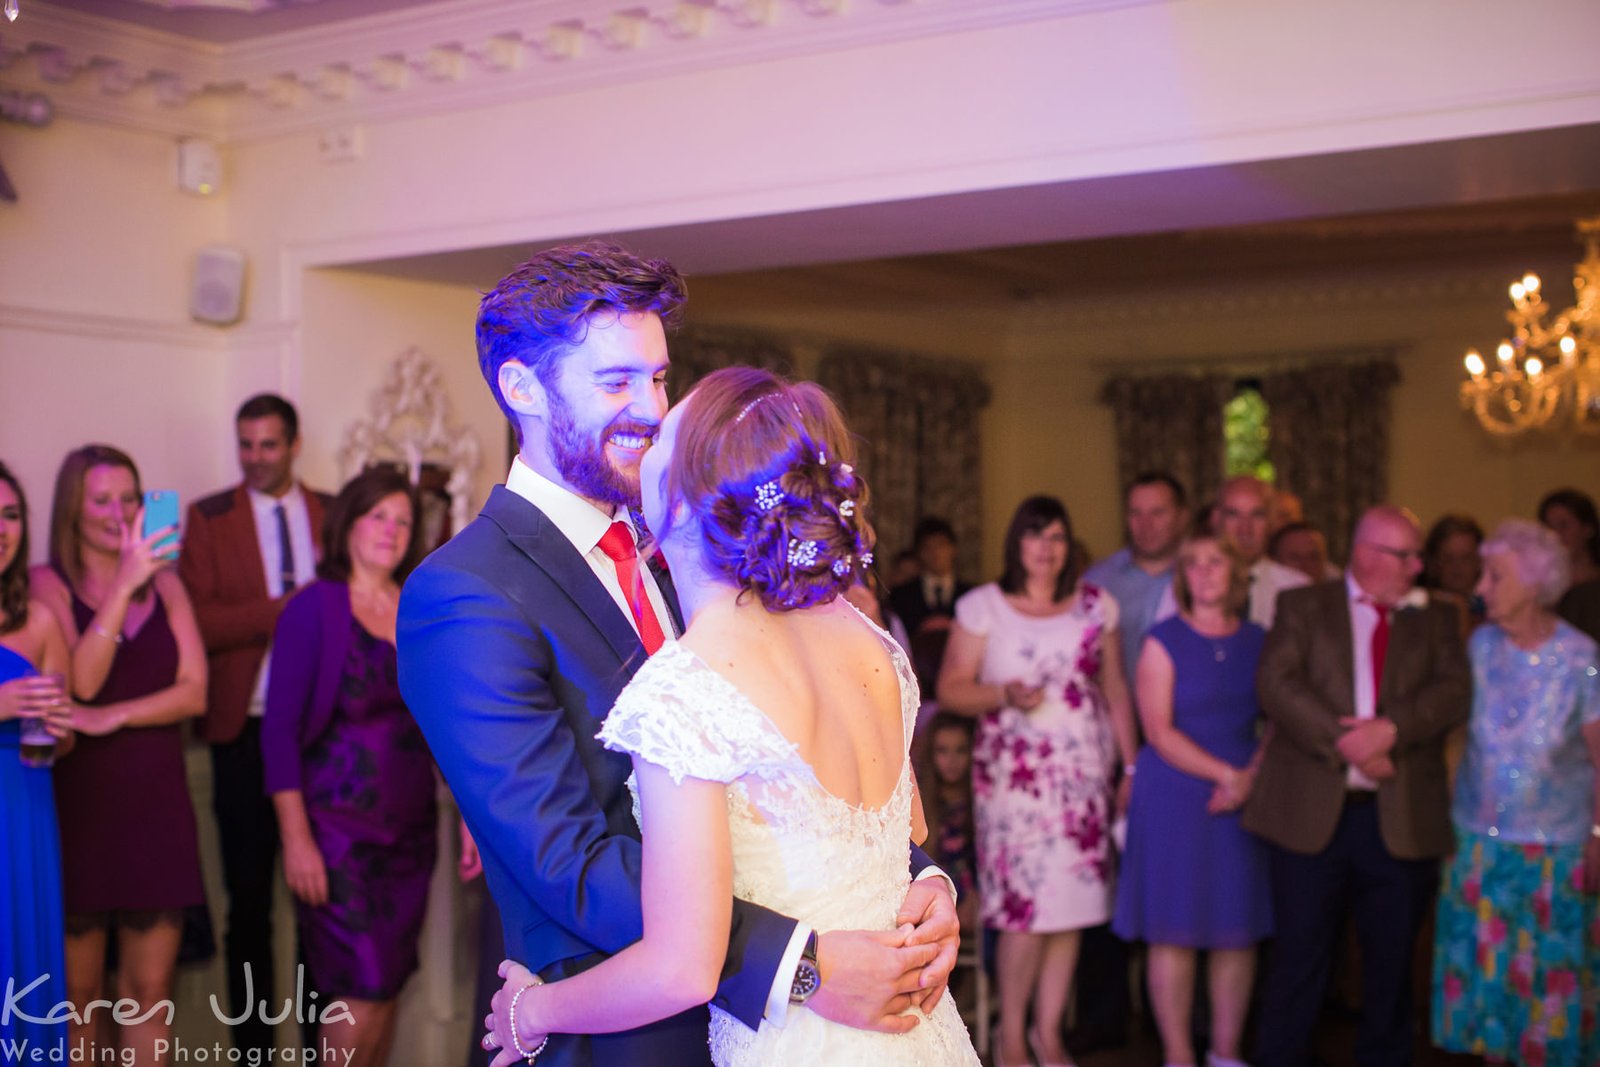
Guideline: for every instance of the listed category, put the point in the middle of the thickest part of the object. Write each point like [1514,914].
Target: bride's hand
[498,1021]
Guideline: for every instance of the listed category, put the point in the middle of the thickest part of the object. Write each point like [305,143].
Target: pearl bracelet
[528,1055]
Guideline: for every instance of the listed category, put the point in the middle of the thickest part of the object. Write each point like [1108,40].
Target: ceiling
[229,21]
[1494,204]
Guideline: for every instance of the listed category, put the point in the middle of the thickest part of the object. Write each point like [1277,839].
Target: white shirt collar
[578,520]
[263,503]
[1416,596]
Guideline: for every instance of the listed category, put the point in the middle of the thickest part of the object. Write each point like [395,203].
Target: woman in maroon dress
[348,769]
[129,852]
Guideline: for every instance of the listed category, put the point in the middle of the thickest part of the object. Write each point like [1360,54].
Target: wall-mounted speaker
[216,292]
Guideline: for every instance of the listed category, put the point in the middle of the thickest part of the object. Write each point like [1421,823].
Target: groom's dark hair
[546,304]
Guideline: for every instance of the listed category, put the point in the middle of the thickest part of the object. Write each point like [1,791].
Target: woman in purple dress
[129,850]
[1192,878]
[348,770]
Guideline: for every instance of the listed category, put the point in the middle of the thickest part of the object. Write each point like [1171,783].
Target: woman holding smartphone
[130,858]
[33,659]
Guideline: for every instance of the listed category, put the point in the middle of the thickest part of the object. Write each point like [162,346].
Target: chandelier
[1550,365]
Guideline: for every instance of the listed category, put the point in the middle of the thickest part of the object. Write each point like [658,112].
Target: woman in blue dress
[1193,879]
[31,938]
[1516,960]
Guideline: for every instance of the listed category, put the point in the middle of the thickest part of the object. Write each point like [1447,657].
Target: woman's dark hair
[765,464]
[1033,515]
[66,508]
[1441,531]
[1581,505]
[360,495]
[929,784]
[14,579]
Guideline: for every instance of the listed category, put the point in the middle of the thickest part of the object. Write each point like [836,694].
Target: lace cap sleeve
[679,714]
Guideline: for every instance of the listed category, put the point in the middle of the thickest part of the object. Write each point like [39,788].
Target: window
[1245,431]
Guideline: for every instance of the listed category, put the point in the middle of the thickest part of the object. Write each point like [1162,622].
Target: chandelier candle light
[1548,365]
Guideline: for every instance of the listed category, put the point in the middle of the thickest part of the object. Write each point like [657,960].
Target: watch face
[806,980]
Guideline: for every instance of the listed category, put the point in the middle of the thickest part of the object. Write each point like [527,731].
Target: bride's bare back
[824,678]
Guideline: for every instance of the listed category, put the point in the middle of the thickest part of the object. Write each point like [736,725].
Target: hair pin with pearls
[802,553]
[768,495]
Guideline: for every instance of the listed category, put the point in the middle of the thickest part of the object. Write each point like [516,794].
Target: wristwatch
[807,978]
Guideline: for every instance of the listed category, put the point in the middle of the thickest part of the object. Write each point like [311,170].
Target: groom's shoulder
[483,548]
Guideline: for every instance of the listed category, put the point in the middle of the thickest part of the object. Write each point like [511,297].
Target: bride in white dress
[769,743]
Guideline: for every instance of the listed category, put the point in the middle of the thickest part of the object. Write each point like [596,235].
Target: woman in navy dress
[129,849]
[1192,878]
[31,945]
[348,769]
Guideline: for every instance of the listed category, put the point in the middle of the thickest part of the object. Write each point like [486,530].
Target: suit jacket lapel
[247,545]
[1340,638]
[669,591]
[536,537]
[1406,639]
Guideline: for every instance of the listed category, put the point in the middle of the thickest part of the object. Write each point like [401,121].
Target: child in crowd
[944,777]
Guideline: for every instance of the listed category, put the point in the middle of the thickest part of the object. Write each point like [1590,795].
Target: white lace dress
[797,848]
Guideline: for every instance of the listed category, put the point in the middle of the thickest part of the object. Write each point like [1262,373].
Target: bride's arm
[686,884]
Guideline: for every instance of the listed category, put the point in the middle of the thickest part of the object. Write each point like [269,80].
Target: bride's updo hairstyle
[767,467]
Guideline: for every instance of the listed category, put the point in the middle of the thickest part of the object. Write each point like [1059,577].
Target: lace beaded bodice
[797,848]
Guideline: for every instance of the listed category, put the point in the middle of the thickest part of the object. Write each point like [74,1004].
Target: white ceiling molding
[443,56]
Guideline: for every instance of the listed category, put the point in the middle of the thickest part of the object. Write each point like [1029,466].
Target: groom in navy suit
[516,637]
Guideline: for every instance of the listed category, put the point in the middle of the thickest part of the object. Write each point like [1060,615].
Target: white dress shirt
[584,525]
[1363,621]
[264,506]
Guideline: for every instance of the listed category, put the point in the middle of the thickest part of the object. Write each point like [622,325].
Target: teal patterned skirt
[1516,958]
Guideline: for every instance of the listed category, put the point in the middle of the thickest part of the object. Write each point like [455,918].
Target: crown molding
[1234,302]
[446,56]
[130,330]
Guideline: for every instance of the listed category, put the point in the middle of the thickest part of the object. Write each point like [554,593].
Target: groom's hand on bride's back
[870,978]
[930,907]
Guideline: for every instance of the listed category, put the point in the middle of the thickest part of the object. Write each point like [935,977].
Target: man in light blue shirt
[1156,512]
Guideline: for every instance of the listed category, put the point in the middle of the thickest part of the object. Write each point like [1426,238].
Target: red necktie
[1380,649]
[618,544]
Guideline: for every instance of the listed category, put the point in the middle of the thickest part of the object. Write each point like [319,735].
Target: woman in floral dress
[1035,657]
[1516,960]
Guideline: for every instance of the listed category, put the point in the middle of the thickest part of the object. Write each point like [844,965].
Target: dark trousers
[247,826]
[1101,983]
[1311,895]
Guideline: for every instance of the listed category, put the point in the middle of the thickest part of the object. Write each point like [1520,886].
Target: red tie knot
[618,542]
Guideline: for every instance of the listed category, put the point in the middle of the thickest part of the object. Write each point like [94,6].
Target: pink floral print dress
[1042,779]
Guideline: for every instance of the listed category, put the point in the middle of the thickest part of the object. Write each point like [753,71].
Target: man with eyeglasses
[1361,679]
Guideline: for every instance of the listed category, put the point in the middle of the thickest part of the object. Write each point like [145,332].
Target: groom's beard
[582,459]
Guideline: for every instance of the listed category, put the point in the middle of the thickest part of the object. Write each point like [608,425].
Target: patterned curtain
[1170,423]
[917,422]
[1330,440]
[698,352]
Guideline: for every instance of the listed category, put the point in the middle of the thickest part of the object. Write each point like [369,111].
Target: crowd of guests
[272,629]
[1213,740]
[1319,748]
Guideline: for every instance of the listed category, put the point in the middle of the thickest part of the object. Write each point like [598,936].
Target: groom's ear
[524,393]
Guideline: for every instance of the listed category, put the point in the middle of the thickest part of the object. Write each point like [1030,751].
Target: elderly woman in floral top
[1035,657]
[1517,959]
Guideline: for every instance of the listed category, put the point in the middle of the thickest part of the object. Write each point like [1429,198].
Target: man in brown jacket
[245,550]
[1361,678]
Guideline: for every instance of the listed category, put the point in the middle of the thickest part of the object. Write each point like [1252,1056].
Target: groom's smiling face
[605,406]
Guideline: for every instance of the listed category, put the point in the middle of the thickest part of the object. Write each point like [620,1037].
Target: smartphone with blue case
[161,511]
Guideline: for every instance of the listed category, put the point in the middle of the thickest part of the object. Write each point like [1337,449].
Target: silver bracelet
[115,639]
[528,1055]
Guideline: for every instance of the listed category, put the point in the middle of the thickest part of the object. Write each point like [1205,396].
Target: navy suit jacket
[511,654]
